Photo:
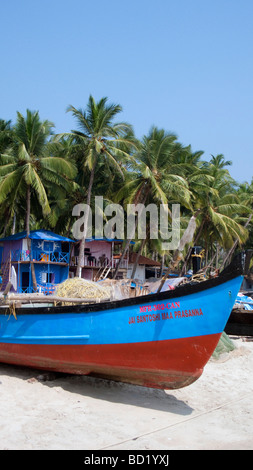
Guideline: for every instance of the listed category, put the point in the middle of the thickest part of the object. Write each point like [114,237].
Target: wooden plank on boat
[38,298]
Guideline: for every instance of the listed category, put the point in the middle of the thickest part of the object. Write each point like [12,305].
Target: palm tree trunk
[190,247]
[13,231]
[126,248]
[123,254]
[232,250]
[185,239]
[138,256]
[80,261]
[217,255]
[29,243]
[6,222]
[162,266]
[28,210]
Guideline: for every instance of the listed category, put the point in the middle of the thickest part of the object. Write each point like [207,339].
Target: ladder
[102,273]
[6,271]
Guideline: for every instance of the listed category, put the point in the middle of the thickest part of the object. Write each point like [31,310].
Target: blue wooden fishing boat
[159,340]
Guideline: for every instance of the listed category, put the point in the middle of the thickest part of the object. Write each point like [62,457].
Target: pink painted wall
[98,248]
[87,274]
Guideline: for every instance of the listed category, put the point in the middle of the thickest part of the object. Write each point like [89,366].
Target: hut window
[65,247]
[44,277]
[51,278]
[48,278]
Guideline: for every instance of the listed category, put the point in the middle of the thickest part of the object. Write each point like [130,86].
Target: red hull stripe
[161,364]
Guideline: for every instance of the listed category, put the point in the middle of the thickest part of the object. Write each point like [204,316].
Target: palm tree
[98,139]
[219,162]
[154,176]
[220,210]
[6,140]
[245,195]
[6,135]
[26,170]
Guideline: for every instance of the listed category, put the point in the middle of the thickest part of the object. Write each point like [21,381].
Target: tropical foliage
[99,141]
[43,176]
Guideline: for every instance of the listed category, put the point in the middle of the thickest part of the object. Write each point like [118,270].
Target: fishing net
[224,345]
[77,288]
[82,289]
[125,288]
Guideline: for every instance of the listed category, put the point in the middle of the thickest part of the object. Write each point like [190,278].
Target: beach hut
[49,255]
[101,256]
[146,267]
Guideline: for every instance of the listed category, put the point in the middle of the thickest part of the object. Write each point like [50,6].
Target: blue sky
[183,65]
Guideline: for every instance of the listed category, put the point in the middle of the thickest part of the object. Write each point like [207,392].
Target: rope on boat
[12,310]
[198,277]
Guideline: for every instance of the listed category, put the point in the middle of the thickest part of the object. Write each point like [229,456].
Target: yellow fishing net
[82,289]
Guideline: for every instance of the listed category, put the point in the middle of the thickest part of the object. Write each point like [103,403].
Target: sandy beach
[41,411]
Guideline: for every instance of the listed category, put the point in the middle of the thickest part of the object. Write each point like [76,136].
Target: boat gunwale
[180,291]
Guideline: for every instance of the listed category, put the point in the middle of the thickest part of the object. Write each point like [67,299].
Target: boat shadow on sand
[101,389]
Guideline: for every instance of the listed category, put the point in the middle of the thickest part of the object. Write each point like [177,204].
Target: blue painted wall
[46,274]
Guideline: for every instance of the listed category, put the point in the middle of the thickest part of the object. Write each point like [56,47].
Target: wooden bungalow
[146,267]
[101,256]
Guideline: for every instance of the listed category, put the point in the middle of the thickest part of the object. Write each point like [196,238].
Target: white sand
[72,412]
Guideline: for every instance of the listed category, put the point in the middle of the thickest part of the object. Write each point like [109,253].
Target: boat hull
[240,323]
[161,364]
[161,340]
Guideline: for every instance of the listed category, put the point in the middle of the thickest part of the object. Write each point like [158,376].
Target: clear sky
[183,65]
